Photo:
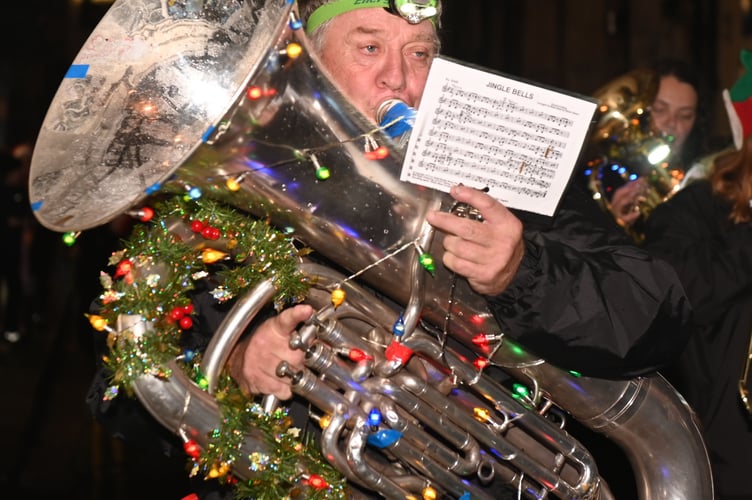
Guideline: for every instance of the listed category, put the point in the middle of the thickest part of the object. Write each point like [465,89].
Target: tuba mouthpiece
[396,118]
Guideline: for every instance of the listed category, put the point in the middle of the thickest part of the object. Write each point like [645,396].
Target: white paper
[518,140]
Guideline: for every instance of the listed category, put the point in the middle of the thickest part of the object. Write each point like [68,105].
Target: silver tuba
[175,96]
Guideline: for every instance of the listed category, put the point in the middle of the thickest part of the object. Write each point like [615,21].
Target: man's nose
[393,75]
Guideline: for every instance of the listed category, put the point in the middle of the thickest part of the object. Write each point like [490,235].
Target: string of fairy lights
[153,277]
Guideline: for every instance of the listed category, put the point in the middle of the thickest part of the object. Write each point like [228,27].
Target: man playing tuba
[558,287]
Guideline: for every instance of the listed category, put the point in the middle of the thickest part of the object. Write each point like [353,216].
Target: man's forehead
[379,21]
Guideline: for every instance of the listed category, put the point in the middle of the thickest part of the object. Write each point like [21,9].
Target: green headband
[334,9]
[413,12]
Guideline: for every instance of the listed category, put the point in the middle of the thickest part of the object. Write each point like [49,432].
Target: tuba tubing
[141,121]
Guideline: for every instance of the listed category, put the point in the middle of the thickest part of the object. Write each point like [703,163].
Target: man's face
[674,109]
[373,56]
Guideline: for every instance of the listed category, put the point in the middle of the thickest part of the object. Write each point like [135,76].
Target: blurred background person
[670,91]
[705,230]
[678,109]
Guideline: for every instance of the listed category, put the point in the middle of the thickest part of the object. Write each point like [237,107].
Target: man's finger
[490,209]
[288,319]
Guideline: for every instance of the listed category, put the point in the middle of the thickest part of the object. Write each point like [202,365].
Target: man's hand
[253,362]
[487,253]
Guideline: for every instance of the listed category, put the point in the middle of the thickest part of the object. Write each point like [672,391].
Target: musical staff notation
[519,140]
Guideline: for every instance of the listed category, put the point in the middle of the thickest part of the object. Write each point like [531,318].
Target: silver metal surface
[230,330]
[151,80]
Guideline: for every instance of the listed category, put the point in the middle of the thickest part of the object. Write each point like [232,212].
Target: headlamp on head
[414,11]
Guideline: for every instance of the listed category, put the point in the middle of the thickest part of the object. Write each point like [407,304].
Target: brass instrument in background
[626,152]
[176,96]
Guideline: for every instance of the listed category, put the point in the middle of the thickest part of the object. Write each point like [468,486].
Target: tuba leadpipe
[179,98]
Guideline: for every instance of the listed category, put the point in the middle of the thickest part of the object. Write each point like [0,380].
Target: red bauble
[176,313]
[197,226]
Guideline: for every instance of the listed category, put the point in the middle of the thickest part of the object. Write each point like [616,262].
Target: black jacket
[587,298]
[714,260]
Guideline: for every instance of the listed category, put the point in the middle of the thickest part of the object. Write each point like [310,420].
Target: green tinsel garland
[155,272]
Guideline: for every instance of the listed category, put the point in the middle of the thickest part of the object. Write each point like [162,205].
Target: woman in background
[705,231]
[677,111]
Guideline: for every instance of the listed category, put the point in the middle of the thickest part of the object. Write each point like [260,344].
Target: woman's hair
[731,178]
[696,144]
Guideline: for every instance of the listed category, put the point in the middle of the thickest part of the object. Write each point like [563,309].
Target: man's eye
[370,49]
[421,53]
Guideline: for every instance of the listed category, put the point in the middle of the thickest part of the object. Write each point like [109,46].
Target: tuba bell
[626,153]
[179,98]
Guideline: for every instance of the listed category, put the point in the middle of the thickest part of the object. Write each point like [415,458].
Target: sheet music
[518,140]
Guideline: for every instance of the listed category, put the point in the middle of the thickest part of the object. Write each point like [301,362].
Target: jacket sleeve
[711,254]
[586,298]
